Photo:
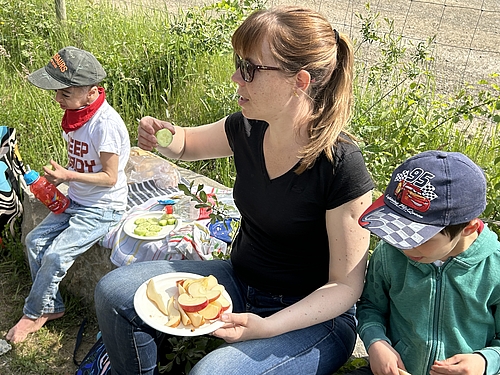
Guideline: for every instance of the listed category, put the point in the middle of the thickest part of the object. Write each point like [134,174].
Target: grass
[181,72]
[50,350]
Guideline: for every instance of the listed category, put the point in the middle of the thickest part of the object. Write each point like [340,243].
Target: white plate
[153,317]
[129,226]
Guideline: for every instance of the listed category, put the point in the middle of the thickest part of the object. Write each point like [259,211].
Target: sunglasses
[248,69]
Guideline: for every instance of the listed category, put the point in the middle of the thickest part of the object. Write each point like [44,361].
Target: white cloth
[104,132]
[192,240]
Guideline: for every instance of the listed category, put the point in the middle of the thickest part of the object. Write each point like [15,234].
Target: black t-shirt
[282,245]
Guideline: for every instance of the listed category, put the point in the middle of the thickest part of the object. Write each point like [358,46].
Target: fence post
[61,10]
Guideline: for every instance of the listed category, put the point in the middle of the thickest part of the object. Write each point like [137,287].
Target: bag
[96,362]
[12,183]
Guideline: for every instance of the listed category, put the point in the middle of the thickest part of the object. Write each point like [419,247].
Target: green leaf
[203,196]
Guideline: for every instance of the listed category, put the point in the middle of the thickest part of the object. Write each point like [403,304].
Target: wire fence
[466,48]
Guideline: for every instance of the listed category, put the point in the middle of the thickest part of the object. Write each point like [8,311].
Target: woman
[298,262]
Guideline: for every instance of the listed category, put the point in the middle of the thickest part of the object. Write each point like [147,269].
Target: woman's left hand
[242,327]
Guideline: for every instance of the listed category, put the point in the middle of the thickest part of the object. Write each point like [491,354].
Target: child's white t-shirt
[104,132]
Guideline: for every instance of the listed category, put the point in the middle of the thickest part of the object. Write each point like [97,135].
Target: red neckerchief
[74,119]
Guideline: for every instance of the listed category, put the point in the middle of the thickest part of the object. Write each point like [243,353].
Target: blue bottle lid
[31,176]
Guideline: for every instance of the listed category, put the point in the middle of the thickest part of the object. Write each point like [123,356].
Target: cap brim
[40,78]
[394,228]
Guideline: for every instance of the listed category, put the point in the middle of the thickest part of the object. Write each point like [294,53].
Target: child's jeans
[53,247]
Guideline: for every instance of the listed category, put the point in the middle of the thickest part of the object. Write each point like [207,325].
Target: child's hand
[460,364]
[55,173]
[384,360]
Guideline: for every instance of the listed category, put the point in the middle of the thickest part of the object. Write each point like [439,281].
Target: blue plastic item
[166,201]
[220,230]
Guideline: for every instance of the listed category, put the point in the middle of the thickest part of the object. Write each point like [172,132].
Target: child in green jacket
[431,302]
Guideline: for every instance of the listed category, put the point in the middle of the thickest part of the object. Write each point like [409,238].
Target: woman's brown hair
[302,39]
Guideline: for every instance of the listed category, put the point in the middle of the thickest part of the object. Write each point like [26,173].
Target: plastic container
[185,208]
[46,192]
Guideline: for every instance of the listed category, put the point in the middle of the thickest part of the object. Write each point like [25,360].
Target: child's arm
[373,314]
[373,307]
[106,177]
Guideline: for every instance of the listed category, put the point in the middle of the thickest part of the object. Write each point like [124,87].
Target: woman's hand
[242,327]
[148,126]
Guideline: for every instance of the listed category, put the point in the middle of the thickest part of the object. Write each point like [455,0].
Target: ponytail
[331,108]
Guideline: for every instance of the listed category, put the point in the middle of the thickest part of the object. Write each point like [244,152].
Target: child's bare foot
[26,325]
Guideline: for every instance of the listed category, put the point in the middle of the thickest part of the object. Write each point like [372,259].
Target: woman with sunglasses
[298,262]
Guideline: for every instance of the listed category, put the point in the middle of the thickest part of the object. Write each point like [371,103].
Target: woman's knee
[109,286]
[119,285]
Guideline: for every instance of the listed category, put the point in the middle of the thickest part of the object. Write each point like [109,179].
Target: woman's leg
[320,349]
[130,343]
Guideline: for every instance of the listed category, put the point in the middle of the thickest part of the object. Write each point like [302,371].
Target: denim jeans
[132,345]
[53,247]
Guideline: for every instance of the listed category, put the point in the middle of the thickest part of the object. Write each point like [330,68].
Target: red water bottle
[46,192]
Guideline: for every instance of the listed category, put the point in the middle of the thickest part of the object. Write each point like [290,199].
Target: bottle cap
[31,176]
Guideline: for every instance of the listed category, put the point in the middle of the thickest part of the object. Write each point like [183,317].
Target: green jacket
[430,313]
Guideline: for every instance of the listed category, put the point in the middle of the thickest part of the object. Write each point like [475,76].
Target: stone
[359,349]
[4,346]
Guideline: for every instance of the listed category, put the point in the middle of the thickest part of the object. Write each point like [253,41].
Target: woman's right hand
[148,126]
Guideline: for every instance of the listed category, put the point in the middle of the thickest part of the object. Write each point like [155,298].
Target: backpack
[96,362]
[12,183]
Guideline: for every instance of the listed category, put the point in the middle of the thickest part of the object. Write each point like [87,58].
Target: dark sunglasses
[248,69]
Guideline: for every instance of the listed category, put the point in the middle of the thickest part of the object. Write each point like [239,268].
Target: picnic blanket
[191,240]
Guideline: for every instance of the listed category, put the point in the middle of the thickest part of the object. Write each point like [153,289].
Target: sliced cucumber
[154,228]
[141,231]
[164,137]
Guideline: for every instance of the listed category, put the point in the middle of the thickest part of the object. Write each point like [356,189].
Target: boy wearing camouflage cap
[98,147]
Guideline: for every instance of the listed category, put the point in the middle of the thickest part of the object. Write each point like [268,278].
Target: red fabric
[74,119]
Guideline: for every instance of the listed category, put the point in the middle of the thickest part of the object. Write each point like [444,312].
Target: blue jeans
[53,247]
[132,345]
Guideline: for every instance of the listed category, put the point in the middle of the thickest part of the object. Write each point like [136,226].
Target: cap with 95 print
[426,193]
[70,66]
